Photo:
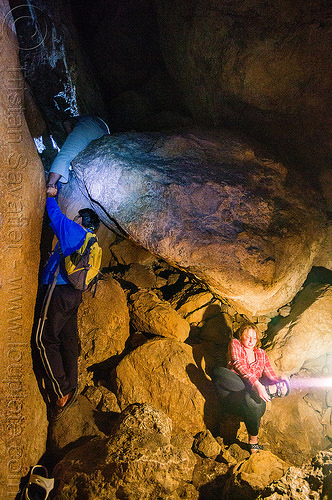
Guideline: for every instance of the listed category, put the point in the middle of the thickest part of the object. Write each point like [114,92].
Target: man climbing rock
[55,336]
[55,343]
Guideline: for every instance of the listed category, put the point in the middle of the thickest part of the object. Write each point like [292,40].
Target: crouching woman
[248,382]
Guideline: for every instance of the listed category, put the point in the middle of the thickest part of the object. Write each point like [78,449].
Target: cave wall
[262,67]
[23,417]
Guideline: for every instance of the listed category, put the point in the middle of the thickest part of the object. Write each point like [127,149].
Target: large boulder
[292,427]
[153,315]
[313,480]
[136,461]
[211,204]
[251,476]
[163,373]
[103,322]
[21,210]
[305,334]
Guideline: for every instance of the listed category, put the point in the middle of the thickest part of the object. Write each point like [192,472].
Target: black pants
[238,399]
[56,342]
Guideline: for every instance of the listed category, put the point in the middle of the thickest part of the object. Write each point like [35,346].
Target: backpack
[82,266]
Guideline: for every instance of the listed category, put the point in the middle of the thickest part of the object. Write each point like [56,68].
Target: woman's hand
[284,377]
[284,380]
[261,391]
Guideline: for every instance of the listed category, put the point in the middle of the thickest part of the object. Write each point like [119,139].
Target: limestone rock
[284,311]
[102,399]
[137,417]
[185,292]
[209,478]
[197,307]
[106,238]
[224,455]
[140,276]
[205,445]
[127,252]
[93,395]
[293,486]
[324,257]
[77,423]
[239,453]
[152,315]
[250,477]
[211,204]
[22,204]
[194,302]
[137,461]
[263,68]
[313,481]
[163,373]
[293,428]
[103,322]
[306,333]
[85,377]
[108,401]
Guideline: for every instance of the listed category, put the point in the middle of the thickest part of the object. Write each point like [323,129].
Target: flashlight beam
[311,382]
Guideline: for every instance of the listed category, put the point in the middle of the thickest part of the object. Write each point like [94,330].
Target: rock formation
[207,229]
[103,322]
[173,376]
[305,334]
[264,69]
[21,209]
[137,460]
[212,205]
[252,476]
[143,458]
[164,373]
[150,314]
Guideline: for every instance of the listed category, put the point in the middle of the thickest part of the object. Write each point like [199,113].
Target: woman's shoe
[254,447]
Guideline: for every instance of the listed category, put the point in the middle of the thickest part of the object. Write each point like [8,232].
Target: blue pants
[87,129]
[239,399]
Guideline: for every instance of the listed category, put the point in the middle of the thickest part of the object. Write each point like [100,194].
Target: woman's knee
[254,404]
[228,379]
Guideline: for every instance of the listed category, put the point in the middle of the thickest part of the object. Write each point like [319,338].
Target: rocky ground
[147,423]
